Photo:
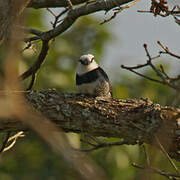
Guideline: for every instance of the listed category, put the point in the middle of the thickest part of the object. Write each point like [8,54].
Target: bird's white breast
[88,88]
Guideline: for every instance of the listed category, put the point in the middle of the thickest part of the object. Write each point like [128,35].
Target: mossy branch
[137,121]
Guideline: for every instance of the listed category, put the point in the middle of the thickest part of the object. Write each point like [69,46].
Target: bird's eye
[92,59]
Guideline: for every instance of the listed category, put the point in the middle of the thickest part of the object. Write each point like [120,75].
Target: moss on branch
[135,120]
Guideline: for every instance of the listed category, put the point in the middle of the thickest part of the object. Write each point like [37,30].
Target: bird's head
[86,63]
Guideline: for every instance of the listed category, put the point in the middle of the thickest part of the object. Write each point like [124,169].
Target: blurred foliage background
[31,158]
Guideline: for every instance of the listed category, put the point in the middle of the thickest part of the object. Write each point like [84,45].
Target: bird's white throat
[82,69]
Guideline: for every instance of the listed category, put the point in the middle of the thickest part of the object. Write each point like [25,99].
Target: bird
[91,79]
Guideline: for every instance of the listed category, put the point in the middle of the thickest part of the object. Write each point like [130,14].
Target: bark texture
[63,3]
[5,18]
[10,10]
[134,120]
[53,3]
[78,12]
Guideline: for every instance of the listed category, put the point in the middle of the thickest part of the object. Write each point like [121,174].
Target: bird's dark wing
[103,73]
[92,76]
[106,78]
[88,77]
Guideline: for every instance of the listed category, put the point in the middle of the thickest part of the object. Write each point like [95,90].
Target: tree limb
[35,67]
[135,121]
[164,78]
[53,3]
[157,171]
[77,12]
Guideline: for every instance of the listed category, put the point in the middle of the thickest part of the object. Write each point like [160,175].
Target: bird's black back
[91,76]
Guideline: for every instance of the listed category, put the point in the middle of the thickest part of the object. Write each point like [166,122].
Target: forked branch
[163,77]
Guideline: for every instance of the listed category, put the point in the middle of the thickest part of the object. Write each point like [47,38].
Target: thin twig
[69,4]
[146,155]
[141,65]
[33,31]
[144,76]
[177,20]
[27,47]
[10,146]
[158,171]
[103,145]
[163,71]
[17,135]
[152,66]
[30,39]
[34,68]
[5,142]
[48,9]
[165,79]
[32,82]
[118,10]
[13,139]
[167,155]
[58,16]
[8,139]
[167,50]
[162,15]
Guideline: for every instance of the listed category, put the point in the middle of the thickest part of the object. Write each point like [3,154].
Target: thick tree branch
[77,12]
[136,121]
[10,14]
[53,3]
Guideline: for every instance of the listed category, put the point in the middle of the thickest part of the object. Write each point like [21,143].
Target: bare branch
[5,142]
[100,145]
[146,155]
[56,18]
[32,82]
[13,139]
[152,66]
[142,75]
[157,171]
[17,135]
[166,50]
[177,20]
[27,47]
[118,10]
[165,79]
[167,155]
[33,69]
[8,139]
[33,31]
[77,12]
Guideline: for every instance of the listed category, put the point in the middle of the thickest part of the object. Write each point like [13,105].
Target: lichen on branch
[136,121]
